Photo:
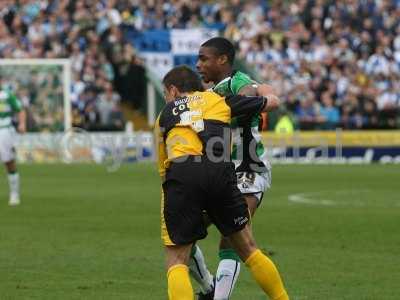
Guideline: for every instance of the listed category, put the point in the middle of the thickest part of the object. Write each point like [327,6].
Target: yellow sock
[179,285]
[266,275]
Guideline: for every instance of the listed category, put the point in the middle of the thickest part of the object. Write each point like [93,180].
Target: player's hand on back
[265,90]
[268,92]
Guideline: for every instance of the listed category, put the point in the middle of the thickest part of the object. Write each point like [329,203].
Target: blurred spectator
[330,115]
[307,113]
[284,124]
[87,108]
[108,109]
[129,81]
[370,113]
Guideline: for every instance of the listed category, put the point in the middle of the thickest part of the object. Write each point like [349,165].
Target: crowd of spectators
[334,63]
[105,68]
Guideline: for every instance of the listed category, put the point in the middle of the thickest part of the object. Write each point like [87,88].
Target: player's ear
[174,91]
[222,59]
[170,93]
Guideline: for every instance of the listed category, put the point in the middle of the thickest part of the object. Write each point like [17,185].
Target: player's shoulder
[241,76]
[240,80]
[211,99]
[210,95]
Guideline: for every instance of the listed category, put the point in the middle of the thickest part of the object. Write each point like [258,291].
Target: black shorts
[198,185]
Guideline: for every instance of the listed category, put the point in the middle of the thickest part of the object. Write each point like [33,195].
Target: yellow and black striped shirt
[198,124]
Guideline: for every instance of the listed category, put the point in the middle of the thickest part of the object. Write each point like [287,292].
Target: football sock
[198,270]
[266,275]
[227,274]
[179,286]
[13,181]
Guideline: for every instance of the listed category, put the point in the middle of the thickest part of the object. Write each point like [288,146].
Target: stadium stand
[335,63]
[102,76]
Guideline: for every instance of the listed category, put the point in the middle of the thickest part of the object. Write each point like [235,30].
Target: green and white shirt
[9,105]
[248,152]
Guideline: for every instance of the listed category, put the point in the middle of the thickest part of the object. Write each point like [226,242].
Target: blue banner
[164,49]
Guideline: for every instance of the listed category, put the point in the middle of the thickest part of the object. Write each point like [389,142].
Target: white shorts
[7,144]
[254,183]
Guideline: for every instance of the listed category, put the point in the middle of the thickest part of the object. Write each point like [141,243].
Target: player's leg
[229,266]
[8,157]
[228,270]
[199,272]
[231,216]
[13,182]
[179,286]
[182,223]
[262,268]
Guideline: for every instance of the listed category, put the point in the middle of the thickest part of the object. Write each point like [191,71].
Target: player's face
[207,64]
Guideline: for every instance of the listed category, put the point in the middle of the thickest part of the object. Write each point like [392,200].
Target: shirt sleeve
[238,82]
[14,102]
[242,105]
[160,147]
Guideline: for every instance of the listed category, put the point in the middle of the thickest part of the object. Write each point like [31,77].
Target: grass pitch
[84,233]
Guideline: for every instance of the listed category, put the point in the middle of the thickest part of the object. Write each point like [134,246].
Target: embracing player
[215,65]
[10,105]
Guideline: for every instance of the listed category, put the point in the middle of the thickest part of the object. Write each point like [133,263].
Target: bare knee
[176,255]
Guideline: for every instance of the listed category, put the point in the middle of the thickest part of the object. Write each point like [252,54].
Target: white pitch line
[313,199]
[305,198]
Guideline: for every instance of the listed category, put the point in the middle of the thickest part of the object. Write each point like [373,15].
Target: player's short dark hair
[222,46]
[184,78]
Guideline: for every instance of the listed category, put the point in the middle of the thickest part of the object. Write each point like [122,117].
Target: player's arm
[248,105]
[16,106]
[273,102]
[161,149]
[248,90]
[22,121]
[264,90]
